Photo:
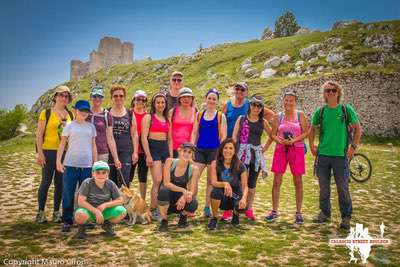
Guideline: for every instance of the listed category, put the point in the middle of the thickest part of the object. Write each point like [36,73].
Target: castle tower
[127,53]
[75,68]
[111,48]
[96,61]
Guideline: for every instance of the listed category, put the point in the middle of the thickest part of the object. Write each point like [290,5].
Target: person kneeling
[179,187]
[229,179]
[100,201]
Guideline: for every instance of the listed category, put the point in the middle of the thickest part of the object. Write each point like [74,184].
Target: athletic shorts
[159,150]
[205,156]
[108,213]
[294,156]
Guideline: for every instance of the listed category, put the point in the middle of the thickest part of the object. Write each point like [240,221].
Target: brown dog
[135,206]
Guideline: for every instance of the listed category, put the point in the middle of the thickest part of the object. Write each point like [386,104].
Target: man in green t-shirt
[334,151]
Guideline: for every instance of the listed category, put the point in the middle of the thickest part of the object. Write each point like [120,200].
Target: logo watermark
[361,242]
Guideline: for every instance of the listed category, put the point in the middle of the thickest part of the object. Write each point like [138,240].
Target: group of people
[99,149]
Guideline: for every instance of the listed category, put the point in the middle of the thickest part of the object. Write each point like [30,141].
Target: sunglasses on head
[176,80]
[256,105]
[239,88]
[101,172]
[118,96]
[331,90]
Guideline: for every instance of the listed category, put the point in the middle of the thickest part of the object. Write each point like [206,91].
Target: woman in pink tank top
[182,119]
[289,129]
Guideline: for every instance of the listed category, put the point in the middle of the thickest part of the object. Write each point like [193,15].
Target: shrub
[10,120]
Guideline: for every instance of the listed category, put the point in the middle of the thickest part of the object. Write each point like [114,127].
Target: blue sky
[39,38]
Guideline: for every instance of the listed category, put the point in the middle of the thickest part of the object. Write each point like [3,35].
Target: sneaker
[108,229]
[56,217]
[345,223]
[207,212]
[250,215]
[272,216]
[155,214]
[235,219]
[227,215]
[182,221]
[81,232]
[40,217]
[321,218]
[163,226]
[66,228]
[90,225]
[299,218]
[212,224]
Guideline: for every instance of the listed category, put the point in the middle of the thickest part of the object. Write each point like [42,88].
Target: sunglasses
[334,90]
[176,80]
[101,172]
[144,100]
[240,89]
[84,110]
[63,95]
[97,96]
[118,96]
[256,105]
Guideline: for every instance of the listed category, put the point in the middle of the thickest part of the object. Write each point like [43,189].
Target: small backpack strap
[321,119]
[106,117]
[190,171]
[200,115]
[299,120]
[173,165]
[219,117]
[71,115]
[280,118]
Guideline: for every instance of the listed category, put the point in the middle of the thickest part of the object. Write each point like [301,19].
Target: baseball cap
[97,90]
[82,105]
[176,73]
[188,145]
[185,91]
[257,99]
[140,93]
[241,84]
[100,166]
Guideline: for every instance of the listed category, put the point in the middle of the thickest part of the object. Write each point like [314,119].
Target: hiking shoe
[212,224]
[250,215]
[155,214]
[207,212]
[321,218]
[66,228]
[182,221]
[81,232]
[345,223]
[40,217]
[227,215]
[299,218]
[56,217]
[163,225]
[272,216]
[90,225]
[235,219]
[108,229]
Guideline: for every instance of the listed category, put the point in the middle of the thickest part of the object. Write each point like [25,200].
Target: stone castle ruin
[111,51]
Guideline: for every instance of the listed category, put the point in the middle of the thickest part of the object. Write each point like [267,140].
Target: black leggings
[125,157]
[142,169]
[253,175]
[48,172]
[168,197]
[227,203]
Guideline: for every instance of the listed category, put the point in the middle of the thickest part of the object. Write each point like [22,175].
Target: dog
[135,206]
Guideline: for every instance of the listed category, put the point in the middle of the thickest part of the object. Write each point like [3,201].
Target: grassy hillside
[219,66]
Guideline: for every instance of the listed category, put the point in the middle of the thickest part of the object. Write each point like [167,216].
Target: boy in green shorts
[100,201]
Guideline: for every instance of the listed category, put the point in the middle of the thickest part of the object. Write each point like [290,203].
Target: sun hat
[62,89]
[177,73]
[100,166]
[82,105]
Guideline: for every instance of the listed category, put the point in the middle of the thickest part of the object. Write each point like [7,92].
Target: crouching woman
[179,186]
[99,201]
[229,181]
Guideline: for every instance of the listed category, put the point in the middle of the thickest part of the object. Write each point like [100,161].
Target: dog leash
[120,176]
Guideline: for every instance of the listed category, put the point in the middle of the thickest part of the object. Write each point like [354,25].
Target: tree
[10,120]
[286,25]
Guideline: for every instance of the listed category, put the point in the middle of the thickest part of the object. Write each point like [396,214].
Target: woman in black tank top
[179,187]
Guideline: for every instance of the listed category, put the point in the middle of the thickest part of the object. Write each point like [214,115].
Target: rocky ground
[252,244]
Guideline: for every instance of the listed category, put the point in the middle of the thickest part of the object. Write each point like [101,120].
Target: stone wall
[111,51]
[374,95]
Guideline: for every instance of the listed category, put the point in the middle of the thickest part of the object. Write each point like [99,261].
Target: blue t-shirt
[233,113]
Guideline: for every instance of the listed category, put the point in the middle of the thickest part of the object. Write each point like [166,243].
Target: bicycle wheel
[360,168]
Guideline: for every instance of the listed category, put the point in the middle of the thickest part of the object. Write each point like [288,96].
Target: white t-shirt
[79,152]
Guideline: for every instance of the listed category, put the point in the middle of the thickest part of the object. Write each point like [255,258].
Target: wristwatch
[354,146]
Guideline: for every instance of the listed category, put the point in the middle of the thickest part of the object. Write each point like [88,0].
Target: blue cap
[82,105]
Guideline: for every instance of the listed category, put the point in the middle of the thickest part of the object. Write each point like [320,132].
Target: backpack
[175,162]
[105,116]
[219,119]
[47,117]
[349,129]
[299,120]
